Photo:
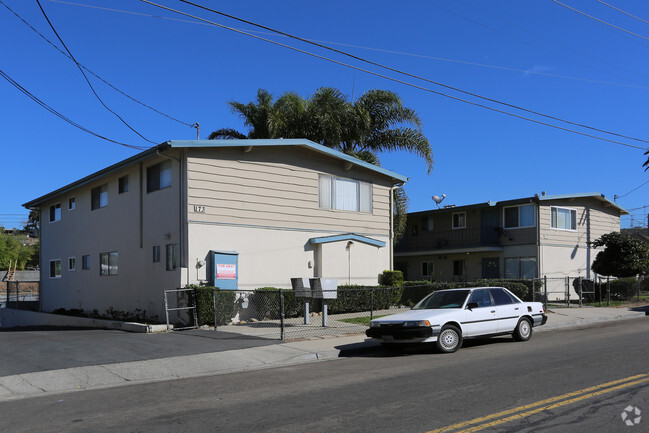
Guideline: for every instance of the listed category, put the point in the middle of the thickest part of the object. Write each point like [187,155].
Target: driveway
[30,350]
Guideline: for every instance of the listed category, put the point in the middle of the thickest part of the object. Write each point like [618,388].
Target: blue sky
[538,55]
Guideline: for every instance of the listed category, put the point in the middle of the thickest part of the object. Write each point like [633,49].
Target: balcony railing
[450,239]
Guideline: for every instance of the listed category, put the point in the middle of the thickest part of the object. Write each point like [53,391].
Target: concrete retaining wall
[10,318]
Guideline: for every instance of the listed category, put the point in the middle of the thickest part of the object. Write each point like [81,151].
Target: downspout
[538,239]
[391,234]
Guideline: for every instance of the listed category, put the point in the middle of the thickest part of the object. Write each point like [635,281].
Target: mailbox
[324,288]
[301,287]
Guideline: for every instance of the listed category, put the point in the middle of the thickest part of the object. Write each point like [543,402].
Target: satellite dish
[437,199]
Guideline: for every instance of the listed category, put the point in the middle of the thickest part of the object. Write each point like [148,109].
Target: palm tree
[376,122]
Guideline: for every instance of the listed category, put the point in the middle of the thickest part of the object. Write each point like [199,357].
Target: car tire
[449,339]
[523,331]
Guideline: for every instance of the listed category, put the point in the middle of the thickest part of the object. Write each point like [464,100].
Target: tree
[623,256]
[33,226]
[376,122]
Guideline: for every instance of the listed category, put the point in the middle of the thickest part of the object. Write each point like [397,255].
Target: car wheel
[450,339]
[523,330]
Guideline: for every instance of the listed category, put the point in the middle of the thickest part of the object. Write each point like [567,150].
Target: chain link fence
[21,295]
[288,315]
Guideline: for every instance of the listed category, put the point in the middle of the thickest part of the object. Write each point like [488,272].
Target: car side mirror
[472,305]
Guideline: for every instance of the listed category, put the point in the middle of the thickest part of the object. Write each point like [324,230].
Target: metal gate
[182,304]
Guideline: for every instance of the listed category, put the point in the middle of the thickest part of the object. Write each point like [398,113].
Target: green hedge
[391,278]
[225,305]
[265,301]
[354,299]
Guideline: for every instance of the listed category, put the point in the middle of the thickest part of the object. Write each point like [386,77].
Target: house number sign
[199,209]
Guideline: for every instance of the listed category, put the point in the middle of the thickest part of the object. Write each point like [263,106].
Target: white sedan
[446,317]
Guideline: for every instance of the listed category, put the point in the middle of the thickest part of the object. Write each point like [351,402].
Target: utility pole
[198,130]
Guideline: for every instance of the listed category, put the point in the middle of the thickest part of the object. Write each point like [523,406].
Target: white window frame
[453,226]
[571,212]
[72,203]
[56,276]
[519,226]
[329,199]
[428,265]
[72,264]
[57,216]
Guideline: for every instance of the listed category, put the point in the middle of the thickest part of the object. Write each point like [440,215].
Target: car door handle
[516,308]
[493,311]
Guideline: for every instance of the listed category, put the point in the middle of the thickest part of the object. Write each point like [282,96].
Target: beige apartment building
[232,213]
[532,237]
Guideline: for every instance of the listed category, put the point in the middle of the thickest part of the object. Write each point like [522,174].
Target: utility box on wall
[224,269]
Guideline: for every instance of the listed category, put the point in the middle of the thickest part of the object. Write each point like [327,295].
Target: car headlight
[415,323]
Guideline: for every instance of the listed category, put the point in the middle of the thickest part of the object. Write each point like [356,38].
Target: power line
[61,116]
[411,75]
[86,77]
[600,21]
[91,72]
[400,81]
[634,189]
[401,53]
[624,12]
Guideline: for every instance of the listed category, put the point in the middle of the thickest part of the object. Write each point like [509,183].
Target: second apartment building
[532,237]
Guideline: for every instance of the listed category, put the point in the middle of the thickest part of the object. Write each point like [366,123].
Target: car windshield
[443,299]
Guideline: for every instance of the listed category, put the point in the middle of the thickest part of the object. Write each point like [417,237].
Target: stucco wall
[139,282]
[270,257]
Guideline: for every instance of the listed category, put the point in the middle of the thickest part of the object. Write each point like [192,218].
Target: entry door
[491,267]
[483,319]
[225,269]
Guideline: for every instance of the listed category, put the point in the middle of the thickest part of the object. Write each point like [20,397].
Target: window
[122,185]
[459,268]
[172,256]
[459,220]
[55,212]
[519,216]
[501,297]
[481,297]
[156,253]
[55,268]
[345,194]
[108,263]
[99,197]
[427,224]
[72,203]
[158,176]
[563,219]
[85,262]
[427,269]
[72,263]
[520,267]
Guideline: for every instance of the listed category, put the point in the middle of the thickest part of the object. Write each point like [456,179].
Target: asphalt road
[559,381]
[29,350]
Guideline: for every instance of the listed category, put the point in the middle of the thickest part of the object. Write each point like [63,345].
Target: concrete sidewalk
[229,361]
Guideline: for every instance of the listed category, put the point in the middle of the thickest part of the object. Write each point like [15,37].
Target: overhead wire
[600,21]
[633,190]
[86,77]
[61,116]
[412,75]
[91,72]
[624,12]
[404,82]
[382,50]
[540,36]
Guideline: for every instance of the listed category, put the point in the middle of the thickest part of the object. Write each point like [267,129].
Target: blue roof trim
[595,195]
[347,237]
[286,142]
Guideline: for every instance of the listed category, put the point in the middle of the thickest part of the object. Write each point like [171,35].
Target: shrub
[391,278]
[267,305]
[354,299]
[225,305]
